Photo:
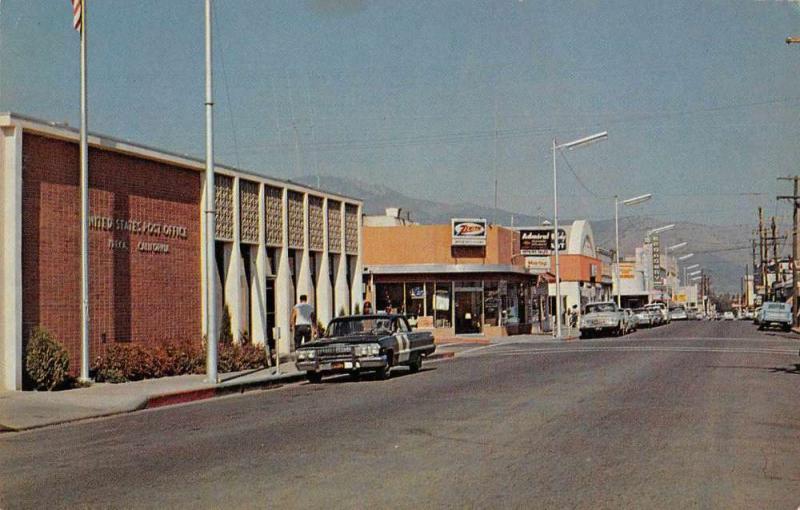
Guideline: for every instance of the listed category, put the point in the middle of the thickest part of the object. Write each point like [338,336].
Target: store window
[491,303]
[389,297]
[415,299]
[442,304]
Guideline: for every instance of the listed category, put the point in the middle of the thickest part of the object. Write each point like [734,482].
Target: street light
[630,201]
[569,146]
[695,273]
[693,266]
[660,229]
[685,257]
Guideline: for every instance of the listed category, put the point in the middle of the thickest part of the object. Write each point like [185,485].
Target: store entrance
[468,311]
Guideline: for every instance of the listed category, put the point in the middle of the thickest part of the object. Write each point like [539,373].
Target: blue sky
[437,99]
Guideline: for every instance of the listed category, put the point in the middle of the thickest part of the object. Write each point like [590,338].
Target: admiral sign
[468,232]
[539,241]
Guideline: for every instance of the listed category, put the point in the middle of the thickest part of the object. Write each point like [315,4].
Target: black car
[365,343]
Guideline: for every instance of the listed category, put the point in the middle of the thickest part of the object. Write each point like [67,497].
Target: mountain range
[723,251]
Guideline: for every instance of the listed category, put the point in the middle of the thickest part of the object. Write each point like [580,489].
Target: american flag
[76,14]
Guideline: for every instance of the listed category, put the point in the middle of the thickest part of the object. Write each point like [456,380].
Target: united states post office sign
[469,231]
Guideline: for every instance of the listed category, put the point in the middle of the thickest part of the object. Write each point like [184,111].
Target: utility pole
[794,199]
[761,251]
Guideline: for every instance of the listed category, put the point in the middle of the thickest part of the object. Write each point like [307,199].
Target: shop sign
[680,298]
[417,292]
[627,270]
[537,265]
[539,241]
[469,231]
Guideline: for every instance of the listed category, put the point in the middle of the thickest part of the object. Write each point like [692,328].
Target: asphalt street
[689,415]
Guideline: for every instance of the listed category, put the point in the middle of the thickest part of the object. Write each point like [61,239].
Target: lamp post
[630,201]
[570,146]
[693,266]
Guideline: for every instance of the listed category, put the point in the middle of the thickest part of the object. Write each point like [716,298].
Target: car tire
[314,377]
[384,373]
[585,335]
[415,364]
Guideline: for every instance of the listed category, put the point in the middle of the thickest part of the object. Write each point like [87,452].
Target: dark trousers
[302,334]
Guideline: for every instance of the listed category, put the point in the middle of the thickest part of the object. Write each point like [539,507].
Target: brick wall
[136,295]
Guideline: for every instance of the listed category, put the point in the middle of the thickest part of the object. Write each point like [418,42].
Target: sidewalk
[21,410]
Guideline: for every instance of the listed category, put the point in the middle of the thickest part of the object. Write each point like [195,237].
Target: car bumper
[333,366]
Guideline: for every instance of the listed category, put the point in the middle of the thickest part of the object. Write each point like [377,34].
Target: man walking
[302,321]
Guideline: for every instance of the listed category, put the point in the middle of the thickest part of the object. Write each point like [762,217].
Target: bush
[225,330]
[238,357]
[133,362]
[46,361]
[357,309]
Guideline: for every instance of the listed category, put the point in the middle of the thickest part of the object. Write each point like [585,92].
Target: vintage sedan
[603,318]
[365,343]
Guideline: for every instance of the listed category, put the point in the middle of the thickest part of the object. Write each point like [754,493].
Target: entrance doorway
[468,312]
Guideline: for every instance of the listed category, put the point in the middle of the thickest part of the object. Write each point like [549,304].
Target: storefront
[454,289]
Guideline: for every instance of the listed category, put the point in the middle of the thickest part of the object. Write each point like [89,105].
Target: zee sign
[469,231]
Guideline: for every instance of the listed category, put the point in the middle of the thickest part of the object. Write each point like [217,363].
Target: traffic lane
[712,329]
[557,430]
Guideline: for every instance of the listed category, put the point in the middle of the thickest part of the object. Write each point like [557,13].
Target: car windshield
[776,306]
[358,326]
[601,307]
[641,310]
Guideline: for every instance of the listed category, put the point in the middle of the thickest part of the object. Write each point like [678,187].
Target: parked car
[602,318]
[775,314]
[645,317]
[365,343]
[728,316]
[678,314]
[661,308]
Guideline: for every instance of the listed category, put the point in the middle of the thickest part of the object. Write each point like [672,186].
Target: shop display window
[389,297]
[443,305]
[415,299]
[491,303]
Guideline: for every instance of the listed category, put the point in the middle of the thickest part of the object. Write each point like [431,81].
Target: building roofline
[380,269]
[69,133]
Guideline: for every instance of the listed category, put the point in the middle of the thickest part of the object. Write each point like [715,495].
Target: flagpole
[211,306]
[84,178]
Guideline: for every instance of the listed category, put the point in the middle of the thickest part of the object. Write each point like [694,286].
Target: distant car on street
[775,314]
[602,318]
[728,316]
[645,317]
[678,314]
[662,309]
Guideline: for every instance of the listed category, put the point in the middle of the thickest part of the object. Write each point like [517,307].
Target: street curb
[440,355]
[183,397]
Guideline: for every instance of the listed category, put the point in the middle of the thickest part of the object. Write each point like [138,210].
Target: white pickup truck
[602,319]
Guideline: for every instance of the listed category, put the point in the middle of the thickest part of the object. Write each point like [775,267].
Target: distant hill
[714,246]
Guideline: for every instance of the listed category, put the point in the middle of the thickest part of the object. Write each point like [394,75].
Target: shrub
[238,357]
[225,330]
[46,361]
[357,309]
[342,312]
[127,362]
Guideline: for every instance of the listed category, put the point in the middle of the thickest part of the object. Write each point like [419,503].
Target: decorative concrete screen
[316,224]
[295,220]
[223,199]
[351,229]
[334,226]
[248,211]
[273,209]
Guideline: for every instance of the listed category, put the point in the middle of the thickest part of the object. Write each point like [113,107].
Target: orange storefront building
[464,278]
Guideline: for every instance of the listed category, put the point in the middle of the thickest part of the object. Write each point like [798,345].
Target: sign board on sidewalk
[469,231]
[537,265]
[538,241]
